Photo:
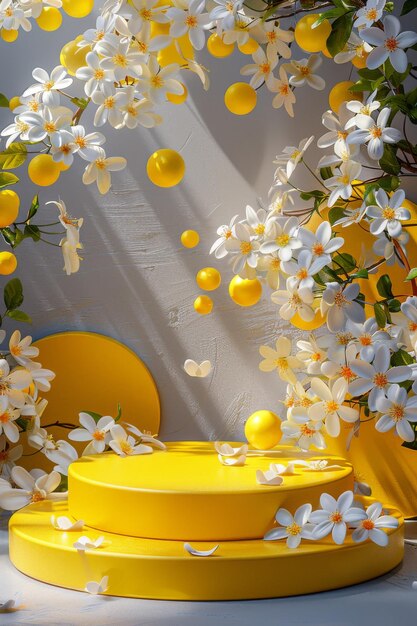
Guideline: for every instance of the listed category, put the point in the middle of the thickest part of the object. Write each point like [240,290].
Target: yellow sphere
[9,35]
[14,102]
[208,278]
[78,8]
[63,167]
[317,321]
[203,305]
[50,19]
[165,168]
[341,93]
[43,170]
[240,98]
[309,38]
[8,263]
[263,430]
[217,47]
[249,47]
[360,61]
[170,54]
[190,238]
[245,292]
[178,99]
[9,207]
[72,57]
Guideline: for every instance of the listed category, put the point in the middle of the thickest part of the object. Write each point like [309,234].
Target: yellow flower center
[391,44]
[365,340]
[227,234]
[125,447]
[49,85]
[65,148]
[49,127]
[284,89]
[331,406]
[342,134]
[275,264]
[245,247]
[344,338]
[412,326]
[306,402]
[336,517]
[375,132]
[260,229]
[120,60]
[99,435]
[100,164]
[146,14]
[306,430]
[304,70]
[388,213]
[99,74]
[293,529]
[283,240]
[157,82]
[346,373]
[302,273]
[368,524]
[109,102]
[397,412]
[81,142]
[271,36]
[4,417]
[371,14]
[264,68]
[191,21]
[37,497]
[340,299]
[318,248]
[281,363]
[316,357]
[380,380]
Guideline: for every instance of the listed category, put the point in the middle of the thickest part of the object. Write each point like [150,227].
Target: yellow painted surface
[185,493]
[145,568]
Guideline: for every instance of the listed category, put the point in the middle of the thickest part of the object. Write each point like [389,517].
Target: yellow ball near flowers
[190,238]
[9,35]
[208,278]
[244,291]
[309,38]
[50,19]
[263,430]
[203,305]
[14,103]
[249,47]
[165,168]
[8,263]
[9,207]
[43,170]
[78,8]
[217,47]
[240,98]
[72,57]
[341,93]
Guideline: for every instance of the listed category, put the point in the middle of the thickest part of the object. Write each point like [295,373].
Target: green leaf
[412,274]
[13,294]
[93,414]
[409,5]
[3,101]
[401,357]
[345,260]
[119,413]
[381,318]
[370,74]
[336,213]
[326,172]
[384,286]
[7,179]
[394,305]
[32,231]
[19,316]
[8,236]
[307,195]
[389,162]
[13,156]
[329,15]
[363,273]
[341,29]
[33,208]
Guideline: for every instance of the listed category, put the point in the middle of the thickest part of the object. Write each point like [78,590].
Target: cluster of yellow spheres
[9,210]
[208,279]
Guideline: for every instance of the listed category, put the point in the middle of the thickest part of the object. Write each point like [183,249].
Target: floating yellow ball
[78,8]
[170,54]
[165,168]
[8,263]
[263,430]
[249,47]
[203,305]
[72,57]
[9,207]
[240,98]
[50,19]
[317,321]
[178,98]
[217,47]
[190,238]
[43,170]
[9,35]
[208,278]
[309,38]
[341,93]
[14,103]
[244,291]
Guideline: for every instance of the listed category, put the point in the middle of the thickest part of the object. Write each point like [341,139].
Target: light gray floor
[387,601]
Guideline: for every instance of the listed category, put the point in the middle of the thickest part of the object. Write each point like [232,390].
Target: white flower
[124,444]
[257,221]
[341,183]
[47,122]
[93,74]
[397,410]
[21,349]
[225,449]
[376,378]
[390,44]
[109,101]
[271,264]
[95,588]
[285,95]
[86,145]
[197,370]
[277,39]
[351,216]
[8,416]
[63,146]
[85,543]
[354,48]
[371,527]
[147,11]
[99,170]
[262,68]
[240,31]
[292,155]
[389,213]
[282,237]
[138,112]
[385,248]
[361,110]
[98,433]
[301,429]
[145,437]
[195,552]
[66,524]
[367,337]
[269,477]
[119,58]
[293,528]
[31,487]
[294,299]
[340,305]
[226,13]
[104,25]
[192,21]
[225,232]
[370,13]
[334,516]
[280,359]
[8,457]
[303,72]
[336,125]
[321,243]
[12,16]
[244,247]
[47,84]
[301,272]
[312,353]
[12,384]
[331,408]
[156,82]
[19,128]
[374,133]
[235,461]
[63,454]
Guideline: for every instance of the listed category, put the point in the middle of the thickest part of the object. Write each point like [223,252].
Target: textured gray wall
[136,283]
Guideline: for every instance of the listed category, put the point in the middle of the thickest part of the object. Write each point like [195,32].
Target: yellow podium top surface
[193,467]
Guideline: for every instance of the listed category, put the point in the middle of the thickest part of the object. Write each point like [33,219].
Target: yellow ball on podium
[263,430]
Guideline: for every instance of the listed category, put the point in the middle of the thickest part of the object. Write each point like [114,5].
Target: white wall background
[137,282]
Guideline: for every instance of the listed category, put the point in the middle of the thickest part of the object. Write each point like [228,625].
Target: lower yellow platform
[143,568]
[185,493]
